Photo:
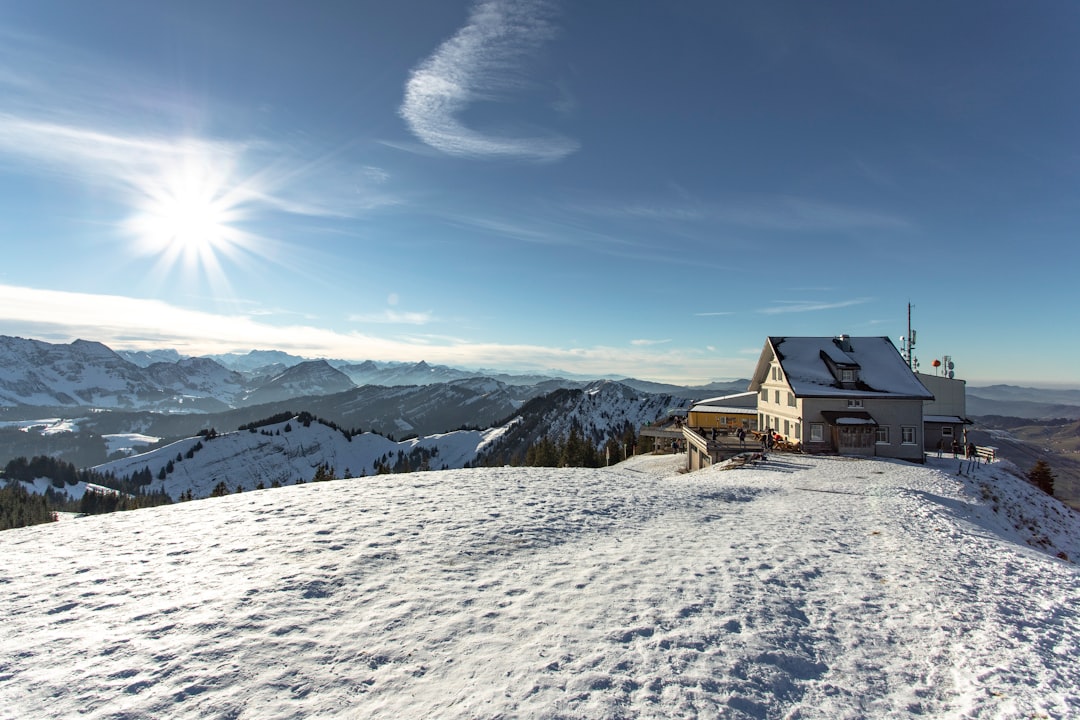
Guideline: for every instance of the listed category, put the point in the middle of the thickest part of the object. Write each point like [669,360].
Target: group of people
[769,439]
[969,451]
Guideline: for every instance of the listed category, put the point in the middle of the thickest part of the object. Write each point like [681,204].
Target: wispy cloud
[481,62]
[643,342]
[713,314]
[73,115]
[785,213]
[137,323]
[393,317]
[797,306]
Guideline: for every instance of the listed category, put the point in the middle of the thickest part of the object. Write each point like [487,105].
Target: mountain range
[87,374]
[87,404]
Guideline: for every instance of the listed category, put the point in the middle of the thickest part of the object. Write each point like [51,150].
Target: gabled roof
[881,371]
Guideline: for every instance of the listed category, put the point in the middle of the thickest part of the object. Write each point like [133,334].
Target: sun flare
[187,218]
[186,212]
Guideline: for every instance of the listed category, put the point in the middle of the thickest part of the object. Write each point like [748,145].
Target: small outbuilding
[725,414]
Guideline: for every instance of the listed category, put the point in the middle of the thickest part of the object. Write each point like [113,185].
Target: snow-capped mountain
[89,374]
[391,374]
[601,410]
[145,358]
[85,373]
[312,377]
[200,378]
[256,359]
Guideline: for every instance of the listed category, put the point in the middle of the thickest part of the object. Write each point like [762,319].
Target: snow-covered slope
[287,452]
[804,588]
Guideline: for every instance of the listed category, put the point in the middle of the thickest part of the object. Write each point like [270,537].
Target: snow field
[801,588]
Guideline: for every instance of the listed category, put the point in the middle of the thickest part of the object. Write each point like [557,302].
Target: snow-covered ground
[804,588]
[129,443]
[46,426]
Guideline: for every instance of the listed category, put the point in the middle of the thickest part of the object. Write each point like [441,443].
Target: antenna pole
[910,341]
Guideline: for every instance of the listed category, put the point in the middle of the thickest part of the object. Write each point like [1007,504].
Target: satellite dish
[951,374]
[951,366]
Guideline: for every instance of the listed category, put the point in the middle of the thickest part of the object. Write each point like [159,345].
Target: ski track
[786,591]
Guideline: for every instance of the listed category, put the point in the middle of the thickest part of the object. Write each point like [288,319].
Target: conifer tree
[1042,477]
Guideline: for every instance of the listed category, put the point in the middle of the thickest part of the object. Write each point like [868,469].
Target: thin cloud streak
[137,323]
[394,317]
[481,63]
[796,306]
[781,213]
[131,163]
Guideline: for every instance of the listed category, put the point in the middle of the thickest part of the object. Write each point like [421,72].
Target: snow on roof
[746,399]
[881,369]
[944,419]
[724,409]
[848,417]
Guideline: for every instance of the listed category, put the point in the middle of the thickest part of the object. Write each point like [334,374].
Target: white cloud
[482,62]
[137,323]
[645,343]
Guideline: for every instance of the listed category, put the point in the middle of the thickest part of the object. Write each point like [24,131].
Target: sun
[187,216]
[190,220]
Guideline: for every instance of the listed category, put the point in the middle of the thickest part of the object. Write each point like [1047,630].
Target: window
[854,403]
[907,434]
[798,431]
[847,375]
[791,399]
[776,396]
[946,431]
[817,432]
[775,373]
[882,435]
[764,395]
[787,428]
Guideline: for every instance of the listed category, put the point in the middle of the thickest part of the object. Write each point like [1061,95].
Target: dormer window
[847,375]
[854,403]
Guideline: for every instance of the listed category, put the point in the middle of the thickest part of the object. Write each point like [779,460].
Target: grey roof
[882,371]
[739,402]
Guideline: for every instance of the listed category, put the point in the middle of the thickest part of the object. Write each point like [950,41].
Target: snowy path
[807,588]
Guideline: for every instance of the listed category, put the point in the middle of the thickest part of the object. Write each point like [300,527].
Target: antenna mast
[908,344]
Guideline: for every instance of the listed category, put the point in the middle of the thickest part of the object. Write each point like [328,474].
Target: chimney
[844,341]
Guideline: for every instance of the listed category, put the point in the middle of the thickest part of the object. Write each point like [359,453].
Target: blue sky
[644,189]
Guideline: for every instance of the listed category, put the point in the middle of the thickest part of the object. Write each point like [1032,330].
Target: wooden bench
[986,452]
